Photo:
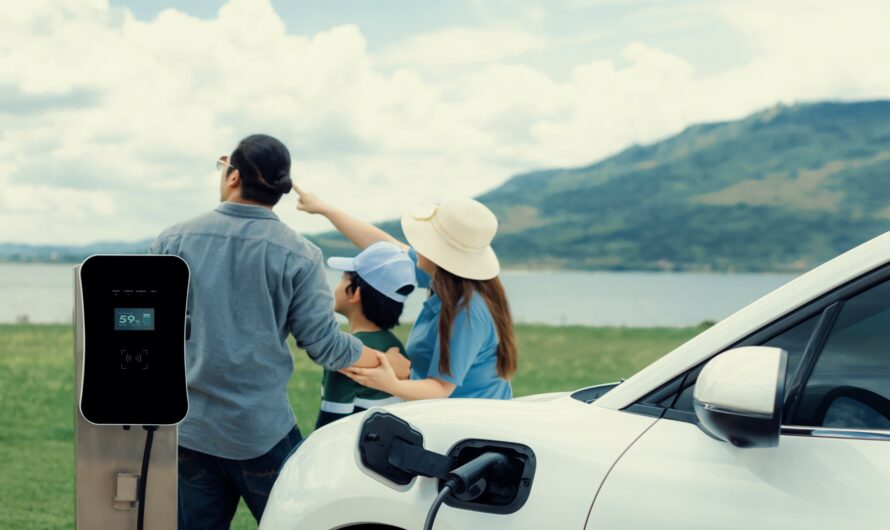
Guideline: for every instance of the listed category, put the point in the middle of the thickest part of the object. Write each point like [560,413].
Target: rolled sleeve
[311,318]
[464,344]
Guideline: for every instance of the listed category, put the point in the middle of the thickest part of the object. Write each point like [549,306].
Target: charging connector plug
[471,479]
[468,481]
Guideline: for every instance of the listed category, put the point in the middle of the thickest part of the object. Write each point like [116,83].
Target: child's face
[342,303]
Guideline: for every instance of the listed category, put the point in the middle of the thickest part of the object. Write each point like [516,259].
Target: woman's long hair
[455,293]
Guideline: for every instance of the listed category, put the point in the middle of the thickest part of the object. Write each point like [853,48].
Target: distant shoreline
[515,268]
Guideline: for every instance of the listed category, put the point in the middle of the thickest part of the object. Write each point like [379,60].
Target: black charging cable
[468,481]
[440,498]
[143,478]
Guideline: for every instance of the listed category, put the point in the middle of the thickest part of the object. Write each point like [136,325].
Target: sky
[113,112]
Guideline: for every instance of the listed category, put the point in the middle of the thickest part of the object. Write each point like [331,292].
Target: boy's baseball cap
[385,267]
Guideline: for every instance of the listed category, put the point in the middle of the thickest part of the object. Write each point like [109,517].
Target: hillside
[782,190]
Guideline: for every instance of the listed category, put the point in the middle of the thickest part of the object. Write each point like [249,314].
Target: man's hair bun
[264,163]
[284,184]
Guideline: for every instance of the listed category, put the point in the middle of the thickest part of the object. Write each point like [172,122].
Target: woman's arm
[384,378]
[400,364]
[421,389]
[361,233]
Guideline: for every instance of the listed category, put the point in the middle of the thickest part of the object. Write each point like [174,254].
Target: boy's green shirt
[337,388]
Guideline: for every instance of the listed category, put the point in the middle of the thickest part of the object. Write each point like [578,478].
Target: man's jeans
[210,487]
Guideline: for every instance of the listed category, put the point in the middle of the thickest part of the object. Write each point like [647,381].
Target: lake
[45,293]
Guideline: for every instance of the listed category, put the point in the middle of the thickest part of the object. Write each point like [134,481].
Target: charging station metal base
[109,461]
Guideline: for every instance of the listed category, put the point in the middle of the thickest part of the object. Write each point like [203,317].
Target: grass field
[37,401]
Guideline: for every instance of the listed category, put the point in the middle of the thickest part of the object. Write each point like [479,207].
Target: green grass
[37,401]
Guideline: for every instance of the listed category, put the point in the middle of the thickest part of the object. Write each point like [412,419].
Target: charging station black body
[136,303]
[134,319]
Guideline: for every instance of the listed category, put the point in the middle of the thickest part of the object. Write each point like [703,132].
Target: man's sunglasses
[223,162]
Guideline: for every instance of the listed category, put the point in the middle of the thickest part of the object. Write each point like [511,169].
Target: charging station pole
[109,456]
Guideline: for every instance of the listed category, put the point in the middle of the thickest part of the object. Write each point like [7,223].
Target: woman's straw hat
[456,236]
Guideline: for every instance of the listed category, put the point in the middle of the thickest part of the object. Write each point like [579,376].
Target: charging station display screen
[134,319]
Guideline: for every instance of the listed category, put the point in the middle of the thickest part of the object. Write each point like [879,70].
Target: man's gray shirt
[253,281]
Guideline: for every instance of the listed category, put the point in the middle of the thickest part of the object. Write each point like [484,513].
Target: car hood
[574,444]
[521,416]
[549,396]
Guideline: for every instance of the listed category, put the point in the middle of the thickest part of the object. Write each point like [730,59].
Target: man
[253,281]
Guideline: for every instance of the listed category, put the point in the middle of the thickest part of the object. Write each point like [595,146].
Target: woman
[451,245]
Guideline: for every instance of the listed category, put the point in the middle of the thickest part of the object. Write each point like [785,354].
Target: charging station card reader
[134,323]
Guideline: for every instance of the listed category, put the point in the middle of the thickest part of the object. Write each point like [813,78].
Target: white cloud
[109,126]
[534,14]
[452,47]
[811,49]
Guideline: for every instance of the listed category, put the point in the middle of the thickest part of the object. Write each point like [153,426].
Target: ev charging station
[130,389]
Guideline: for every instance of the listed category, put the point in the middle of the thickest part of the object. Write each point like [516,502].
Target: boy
[371,296]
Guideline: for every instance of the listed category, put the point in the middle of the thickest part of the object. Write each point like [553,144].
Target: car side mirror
[739,395]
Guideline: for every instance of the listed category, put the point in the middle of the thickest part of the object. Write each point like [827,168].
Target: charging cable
[143,478]
[440,498]
[468,481]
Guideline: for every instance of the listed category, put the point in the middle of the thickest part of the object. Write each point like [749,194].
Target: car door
[831,468]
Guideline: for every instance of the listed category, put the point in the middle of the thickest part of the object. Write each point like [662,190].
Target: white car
[776,417]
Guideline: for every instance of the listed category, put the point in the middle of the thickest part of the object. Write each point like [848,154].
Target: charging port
[506,490]
[481,475]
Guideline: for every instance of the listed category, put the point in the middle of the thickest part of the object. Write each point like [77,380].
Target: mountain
[781,190]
